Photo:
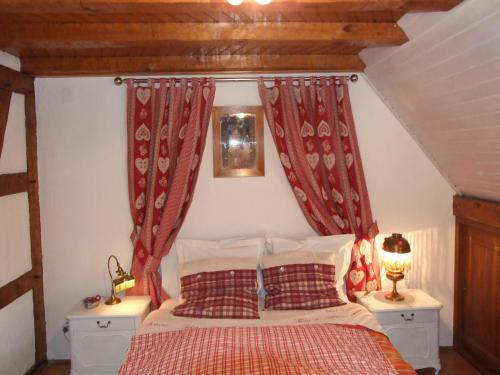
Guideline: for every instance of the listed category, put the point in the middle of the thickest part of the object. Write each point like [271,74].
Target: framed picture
[238,141]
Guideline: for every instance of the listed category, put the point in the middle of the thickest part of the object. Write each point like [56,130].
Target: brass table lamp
[396,260]
[121,282]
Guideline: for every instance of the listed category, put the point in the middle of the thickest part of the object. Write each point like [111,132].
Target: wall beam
[35,228]
[13,81]
[5,96]
[16,288]
[17,82]
[13,183]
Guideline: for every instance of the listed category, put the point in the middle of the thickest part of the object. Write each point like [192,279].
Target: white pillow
[213,265]
[338,245]
[191,250]
[297,257]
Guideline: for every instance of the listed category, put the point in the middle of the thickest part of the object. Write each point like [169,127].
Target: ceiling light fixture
[263,2]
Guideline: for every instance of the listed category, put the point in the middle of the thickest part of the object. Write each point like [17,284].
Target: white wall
[16,319]
[84,201]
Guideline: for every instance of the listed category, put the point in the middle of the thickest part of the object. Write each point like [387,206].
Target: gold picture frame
[238,141]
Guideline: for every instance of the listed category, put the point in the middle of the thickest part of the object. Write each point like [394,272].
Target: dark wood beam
[16,288]
[10,80]
[35,228]
[430,5]
[190,64]
[139,34]
[5,96]
[13,183]
[477,210]
[89,7]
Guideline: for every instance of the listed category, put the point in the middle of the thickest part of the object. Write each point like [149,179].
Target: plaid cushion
[230,294]
[301,287]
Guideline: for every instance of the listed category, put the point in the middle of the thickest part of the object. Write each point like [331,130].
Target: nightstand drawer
[103,324]
[407,317]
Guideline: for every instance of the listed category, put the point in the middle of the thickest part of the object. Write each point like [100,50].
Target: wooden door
[477,290]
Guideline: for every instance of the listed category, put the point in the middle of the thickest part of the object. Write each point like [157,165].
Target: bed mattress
[339,340]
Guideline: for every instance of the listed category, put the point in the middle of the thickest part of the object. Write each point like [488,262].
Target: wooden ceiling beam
[153,6]
[429,5]
[121,35]
[140,34]
[67,66]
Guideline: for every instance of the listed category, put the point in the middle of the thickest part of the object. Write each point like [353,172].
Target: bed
[341,339]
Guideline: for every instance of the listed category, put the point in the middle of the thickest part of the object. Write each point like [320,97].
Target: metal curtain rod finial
[119,80]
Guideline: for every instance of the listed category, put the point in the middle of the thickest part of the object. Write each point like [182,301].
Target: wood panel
[477,276]
[190,64]
[480,211]
[443,85]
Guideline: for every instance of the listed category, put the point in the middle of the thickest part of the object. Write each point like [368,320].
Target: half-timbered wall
[22,321]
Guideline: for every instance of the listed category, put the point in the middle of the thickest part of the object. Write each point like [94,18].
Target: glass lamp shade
[121,282]
[396,259]
[396,262]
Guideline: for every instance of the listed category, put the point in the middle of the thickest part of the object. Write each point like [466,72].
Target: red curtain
[167,129]
[313,129]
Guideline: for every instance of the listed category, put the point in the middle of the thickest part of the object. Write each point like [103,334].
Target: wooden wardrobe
[477,282]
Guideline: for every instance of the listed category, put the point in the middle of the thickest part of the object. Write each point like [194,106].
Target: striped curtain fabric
[313,129]
[167,129]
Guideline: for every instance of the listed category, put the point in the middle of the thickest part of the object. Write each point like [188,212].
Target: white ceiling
[444,86]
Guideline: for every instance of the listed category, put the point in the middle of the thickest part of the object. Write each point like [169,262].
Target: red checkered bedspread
[293,349]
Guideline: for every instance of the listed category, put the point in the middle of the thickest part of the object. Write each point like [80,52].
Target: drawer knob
[408,319]
[103,325]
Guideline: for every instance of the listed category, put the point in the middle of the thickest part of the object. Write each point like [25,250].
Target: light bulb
[263,2]
[235,2]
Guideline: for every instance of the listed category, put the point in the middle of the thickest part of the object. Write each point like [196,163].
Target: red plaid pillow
[301,287]
[228,294]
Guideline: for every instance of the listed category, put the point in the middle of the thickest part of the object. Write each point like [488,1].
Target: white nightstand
[412,325]
[100,337]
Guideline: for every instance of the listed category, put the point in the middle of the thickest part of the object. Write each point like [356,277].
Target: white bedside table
[412,325]
[100,337]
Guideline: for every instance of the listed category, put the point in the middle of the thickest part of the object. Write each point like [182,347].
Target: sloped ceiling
[444,85]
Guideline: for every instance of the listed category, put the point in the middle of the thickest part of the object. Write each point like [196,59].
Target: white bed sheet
[162,320]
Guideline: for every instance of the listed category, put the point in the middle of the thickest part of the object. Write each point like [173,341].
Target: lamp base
[113,300]
[394,296]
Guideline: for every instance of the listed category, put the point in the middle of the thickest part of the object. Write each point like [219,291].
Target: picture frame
[238,141]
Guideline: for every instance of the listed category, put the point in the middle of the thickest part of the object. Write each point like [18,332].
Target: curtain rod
[119,80]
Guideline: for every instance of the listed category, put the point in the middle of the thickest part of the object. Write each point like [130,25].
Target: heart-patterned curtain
[167,129]
[313,129]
